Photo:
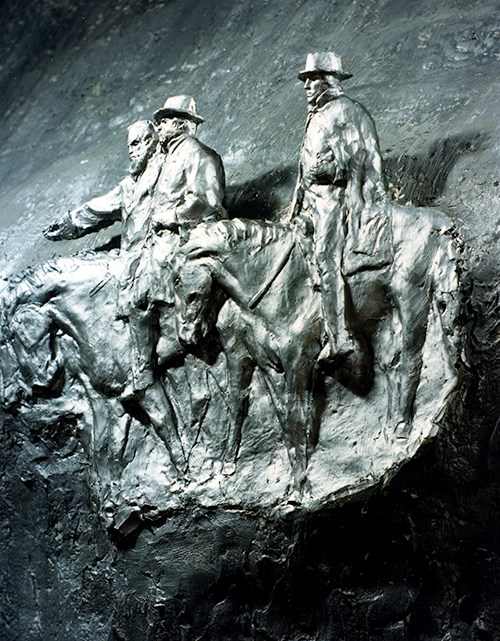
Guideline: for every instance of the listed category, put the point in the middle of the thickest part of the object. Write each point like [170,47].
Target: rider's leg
[329,243]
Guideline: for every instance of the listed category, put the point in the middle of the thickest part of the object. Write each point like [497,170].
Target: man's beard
[137,165]
[167,139]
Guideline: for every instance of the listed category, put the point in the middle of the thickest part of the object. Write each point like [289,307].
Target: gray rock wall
[417,560]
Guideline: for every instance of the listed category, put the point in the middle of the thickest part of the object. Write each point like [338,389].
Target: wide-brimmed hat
[324,62]
[180,107]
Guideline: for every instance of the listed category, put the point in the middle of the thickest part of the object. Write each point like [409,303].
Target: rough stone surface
[416,560]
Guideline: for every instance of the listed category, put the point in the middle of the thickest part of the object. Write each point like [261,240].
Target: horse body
[421,274]
[272,320]
[275,327]
[68,323]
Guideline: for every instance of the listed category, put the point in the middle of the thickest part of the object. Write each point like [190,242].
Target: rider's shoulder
[187,141]
[341,113]
[193,145]
[340,107]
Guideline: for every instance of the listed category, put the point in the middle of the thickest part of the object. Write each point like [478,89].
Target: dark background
[416,560]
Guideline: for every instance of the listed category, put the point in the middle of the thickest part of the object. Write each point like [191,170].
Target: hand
[60,229]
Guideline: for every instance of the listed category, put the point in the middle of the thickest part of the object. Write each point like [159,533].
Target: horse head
[197,299]
[31,338]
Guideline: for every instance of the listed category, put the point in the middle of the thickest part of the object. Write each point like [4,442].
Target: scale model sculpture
[236,361]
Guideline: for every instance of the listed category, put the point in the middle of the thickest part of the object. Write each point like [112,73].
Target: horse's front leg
[240,368]
[301,422]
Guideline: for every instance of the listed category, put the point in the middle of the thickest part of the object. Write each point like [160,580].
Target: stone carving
[167,192]
[241,362]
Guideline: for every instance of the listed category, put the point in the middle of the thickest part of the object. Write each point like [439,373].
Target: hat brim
[176,113]
[340,75]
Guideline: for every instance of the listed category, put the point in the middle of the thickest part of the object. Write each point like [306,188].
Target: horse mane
[258,232]
[56,265]
[49,276]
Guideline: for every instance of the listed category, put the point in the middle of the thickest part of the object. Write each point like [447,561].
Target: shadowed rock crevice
[422,179]
[264,197]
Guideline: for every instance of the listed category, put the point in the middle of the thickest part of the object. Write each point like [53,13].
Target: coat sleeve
[92,216]
[98,213]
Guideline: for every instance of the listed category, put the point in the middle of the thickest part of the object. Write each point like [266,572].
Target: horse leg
[168,346]
[300,422]
[199,398]
[240,368]
[155,407]
[413,301]
[142,339]
[296,433]
[446,297]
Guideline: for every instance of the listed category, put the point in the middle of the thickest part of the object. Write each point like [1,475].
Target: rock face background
[416,560]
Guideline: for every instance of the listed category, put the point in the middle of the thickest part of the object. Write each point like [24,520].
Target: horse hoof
[294,499]
[403,429]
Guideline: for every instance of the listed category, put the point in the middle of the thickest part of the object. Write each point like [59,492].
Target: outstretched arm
[92,216]
[61,229]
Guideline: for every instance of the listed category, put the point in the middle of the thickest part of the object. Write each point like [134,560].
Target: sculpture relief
[340,175]
[236,361]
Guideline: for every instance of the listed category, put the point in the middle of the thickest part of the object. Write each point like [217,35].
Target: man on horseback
[340,177]
[129,201]
[189,190]
[169,190]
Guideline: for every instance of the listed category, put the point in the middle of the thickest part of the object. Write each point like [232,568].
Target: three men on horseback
[176,183]
[340,176]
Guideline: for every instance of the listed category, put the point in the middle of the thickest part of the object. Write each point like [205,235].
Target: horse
[272,320]
[54,297]
[61,319]
[277,329]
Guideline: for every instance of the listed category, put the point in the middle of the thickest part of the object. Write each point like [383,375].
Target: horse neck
[38,285]
[261,260]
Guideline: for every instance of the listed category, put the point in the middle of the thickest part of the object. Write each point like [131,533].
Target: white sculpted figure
[129,201]
[306,359]
[340,174]
[170,189]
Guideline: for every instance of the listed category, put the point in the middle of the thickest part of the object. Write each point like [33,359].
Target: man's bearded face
[169,128]
[141,144]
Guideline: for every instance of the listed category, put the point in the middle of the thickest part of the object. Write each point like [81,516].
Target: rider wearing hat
[191,183]
[189,190]
[169,190]
[340,175]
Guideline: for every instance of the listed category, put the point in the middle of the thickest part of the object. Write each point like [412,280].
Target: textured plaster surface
[416,560]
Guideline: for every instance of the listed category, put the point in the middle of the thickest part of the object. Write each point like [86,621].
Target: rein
[263,289]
